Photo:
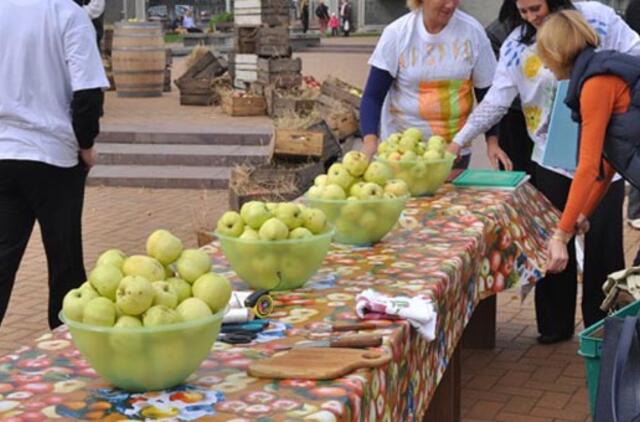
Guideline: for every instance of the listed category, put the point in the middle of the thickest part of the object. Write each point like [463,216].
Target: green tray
[489,178]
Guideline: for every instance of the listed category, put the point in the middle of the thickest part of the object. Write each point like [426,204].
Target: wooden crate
[282,103]
[245,69]
[273,42]
[246,105]
[261,12]
[340,90]
[341,117]
[195,84]
[280,72]
[315,141]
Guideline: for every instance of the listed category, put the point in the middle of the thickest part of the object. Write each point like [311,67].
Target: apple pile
[272,221]
[424,166]
[168,285]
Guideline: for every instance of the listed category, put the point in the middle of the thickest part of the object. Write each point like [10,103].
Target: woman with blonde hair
[602,85]
[424,73]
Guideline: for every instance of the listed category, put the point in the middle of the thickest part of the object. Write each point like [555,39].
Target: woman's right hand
[497,155]
[370,146]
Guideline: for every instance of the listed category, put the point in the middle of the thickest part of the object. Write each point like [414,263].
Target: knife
[358,342]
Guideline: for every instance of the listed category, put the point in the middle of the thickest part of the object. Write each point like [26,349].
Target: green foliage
[220,18]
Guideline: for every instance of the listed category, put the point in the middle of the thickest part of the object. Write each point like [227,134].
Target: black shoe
[544,339]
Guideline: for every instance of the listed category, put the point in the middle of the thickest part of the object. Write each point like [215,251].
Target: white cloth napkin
[419,310]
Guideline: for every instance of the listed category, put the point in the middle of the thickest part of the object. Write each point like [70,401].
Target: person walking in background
[333,25]
[346,12]
[304,16]
[49,117]
[322,13]
[632,16]
[95,10]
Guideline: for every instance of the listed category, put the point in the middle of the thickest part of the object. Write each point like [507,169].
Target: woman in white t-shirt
[520,73]
[424,72]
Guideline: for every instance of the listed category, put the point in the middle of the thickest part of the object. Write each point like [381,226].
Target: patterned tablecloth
[454,247]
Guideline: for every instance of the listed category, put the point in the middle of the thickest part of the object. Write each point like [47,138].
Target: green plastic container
[361,221]
[146,358]
[591,348]
[423,178]
[276,265]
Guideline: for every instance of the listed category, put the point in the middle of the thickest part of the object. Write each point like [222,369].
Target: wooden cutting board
[317,363]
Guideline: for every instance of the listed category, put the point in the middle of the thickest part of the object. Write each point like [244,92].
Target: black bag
[319,11]
[618,398]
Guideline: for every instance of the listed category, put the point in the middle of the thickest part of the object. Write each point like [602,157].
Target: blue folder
[562,139]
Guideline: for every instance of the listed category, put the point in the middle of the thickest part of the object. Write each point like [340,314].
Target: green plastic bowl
[361,222]
[422,178]
[276,265]
[146,358]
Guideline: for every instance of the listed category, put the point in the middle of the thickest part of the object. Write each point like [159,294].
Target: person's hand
[89,157]
[497,155]
[557,255]
[370,146]
[454,149]
[582,225]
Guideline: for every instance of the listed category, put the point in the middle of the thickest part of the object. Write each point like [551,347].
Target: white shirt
[434,73]
[520,72]
[94,8]
[49,51]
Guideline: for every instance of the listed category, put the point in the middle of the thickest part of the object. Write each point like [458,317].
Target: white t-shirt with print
[49,51]
[434,74]
[520,71]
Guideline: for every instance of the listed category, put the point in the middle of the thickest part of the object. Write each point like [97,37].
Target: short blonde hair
[562,37]
[414,4]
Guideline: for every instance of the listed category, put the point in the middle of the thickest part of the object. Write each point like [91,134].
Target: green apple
[409,156]
[397,187]
[99,311]
[432,156]
[371,191]
[347,229]
[290,214]
[320,180]
[351,211]
[436,143]
[338,175]
[420,149]
[164,294]
[414,133]
[144,266]
[87,286]
[356,188]
[394,138]
[230,224]
[249,234]
[395,156]
[273,229]
[182,288]
[128,321]
[407,144]
[164,246]
[292,270]
[264,268]
[271,206]
[134,295]
[418,171]
[300,233]
[75,301]
[113,257]
[192,264]
[193,308]
[383,149]
[255,213]
[356,163]
[314,219]
[160,315]
[214,290]
[169,271]
[105,279]
[315,192]
[378,173]
[369,220]
[333,192]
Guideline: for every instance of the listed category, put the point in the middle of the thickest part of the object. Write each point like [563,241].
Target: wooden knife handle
[357,341]
[353,326]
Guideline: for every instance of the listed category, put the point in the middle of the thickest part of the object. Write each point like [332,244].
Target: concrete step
[177,177]
[220,137]
[180,155]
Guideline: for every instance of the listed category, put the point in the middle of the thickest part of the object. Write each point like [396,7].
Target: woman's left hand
[557,254]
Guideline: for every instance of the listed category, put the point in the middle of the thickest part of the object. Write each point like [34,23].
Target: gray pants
[633,208]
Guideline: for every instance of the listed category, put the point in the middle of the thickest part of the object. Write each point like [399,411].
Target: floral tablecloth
[454,247]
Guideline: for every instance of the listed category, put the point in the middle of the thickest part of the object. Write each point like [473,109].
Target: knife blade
[358,342]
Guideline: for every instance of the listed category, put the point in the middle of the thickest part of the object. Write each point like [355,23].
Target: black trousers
[514,140]
[53,196]
[555,296]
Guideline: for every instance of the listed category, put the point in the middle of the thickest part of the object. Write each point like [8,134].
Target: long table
[456,248]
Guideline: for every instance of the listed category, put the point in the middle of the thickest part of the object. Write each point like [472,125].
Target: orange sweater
[601,96]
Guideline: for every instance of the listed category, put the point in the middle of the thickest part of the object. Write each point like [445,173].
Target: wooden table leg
[480,332]
[445,404]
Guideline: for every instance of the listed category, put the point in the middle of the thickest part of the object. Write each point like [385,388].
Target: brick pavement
[517,381]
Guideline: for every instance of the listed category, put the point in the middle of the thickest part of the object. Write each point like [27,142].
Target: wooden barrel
[138,59]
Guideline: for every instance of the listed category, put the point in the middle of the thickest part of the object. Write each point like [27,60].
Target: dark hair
[510,14]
